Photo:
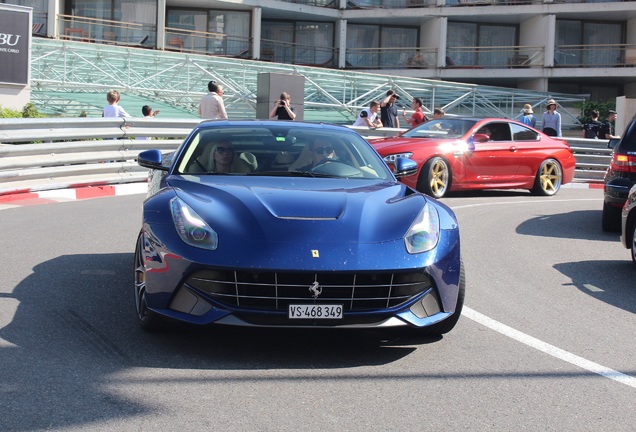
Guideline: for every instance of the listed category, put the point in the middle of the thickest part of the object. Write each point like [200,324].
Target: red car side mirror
[480,138]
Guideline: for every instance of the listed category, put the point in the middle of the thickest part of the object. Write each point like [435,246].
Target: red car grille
[275,291]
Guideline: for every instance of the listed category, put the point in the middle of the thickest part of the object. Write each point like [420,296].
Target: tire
[147,319]
[435,178]
[549,178]
[449,323]
[632,235]
[611,219]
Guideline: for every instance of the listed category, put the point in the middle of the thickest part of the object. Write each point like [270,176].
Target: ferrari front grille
[275,291]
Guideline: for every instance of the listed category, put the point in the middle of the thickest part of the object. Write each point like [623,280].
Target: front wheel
[549,178]
[435,178]
[147,319]
[633,237]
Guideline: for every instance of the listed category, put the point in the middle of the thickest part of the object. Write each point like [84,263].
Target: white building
[577,47]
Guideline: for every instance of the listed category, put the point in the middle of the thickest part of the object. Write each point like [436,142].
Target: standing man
[591,128]
[369,116]
[211,106]
[389,111]
[606,130]
[418,116]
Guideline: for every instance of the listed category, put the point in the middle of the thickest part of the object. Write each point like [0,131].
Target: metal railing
[211,43]
[391,58]
[493,57]
[83,152]
[299,54]
[84,29]
[606,55]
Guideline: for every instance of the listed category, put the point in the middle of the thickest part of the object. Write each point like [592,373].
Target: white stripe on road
[549,349]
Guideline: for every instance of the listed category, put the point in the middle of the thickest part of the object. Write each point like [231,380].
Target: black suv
[620,177]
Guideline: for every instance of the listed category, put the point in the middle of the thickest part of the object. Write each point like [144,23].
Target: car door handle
[513,149]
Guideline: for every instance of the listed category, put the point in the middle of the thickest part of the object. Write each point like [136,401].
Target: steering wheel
[336,168]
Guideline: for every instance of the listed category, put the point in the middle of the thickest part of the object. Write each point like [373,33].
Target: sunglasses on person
[223,150]
[323,150]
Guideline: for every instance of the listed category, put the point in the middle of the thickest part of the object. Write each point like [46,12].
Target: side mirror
[151,159]
[480,138]
[405,167]
[612,143]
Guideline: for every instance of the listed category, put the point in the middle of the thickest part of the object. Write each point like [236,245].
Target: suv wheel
[611,220]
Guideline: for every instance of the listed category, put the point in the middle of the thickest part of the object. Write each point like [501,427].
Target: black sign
[14,47]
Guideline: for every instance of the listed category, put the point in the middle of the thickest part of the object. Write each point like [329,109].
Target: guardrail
[45,154]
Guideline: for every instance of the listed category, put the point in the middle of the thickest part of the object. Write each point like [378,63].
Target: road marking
[520,202]
[592,288]
[549,349]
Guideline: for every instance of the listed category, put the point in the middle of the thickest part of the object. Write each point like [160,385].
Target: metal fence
[46,154]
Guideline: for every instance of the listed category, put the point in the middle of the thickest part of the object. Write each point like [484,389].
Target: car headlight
[423,234]
[191,227]
[392,157]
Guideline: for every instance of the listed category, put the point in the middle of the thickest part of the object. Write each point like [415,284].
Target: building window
[472,44]
[40,13]
[209,31]
[125,21]
[593,44]
[372,46]
[300,42]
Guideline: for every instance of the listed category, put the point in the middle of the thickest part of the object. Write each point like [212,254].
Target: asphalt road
[546,342]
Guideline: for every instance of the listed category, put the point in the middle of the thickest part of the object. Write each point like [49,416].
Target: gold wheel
[549,178]
[435,178]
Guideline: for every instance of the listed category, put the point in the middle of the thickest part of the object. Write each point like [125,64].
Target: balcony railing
[83,29]
[401,4]
[495,57]
[300,54]
[594,56]
[320,3]
[391,58]
[211,43]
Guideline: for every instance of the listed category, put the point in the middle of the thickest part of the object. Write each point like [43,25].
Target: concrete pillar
[441,49]
[161,24]
[341,43]
[257,16]
[534,36]
[269,88]
[626,109]
[52,25]
[433,35]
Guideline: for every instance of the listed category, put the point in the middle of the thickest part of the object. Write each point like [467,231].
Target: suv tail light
[623,163]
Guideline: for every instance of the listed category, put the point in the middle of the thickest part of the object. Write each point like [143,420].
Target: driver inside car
[319,150]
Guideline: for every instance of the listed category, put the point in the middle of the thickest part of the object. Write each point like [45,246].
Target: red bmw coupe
[455,154]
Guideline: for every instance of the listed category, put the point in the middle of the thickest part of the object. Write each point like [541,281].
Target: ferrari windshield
[281,149]
[451,128]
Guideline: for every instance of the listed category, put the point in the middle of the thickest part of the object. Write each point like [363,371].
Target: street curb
[70,194]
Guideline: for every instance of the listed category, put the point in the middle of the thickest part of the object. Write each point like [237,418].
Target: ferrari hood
[301,209]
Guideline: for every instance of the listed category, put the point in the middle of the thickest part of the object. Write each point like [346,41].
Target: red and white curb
[61,195]
[71,194]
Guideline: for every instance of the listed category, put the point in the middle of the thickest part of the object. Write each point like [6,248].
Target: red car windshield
[442,128]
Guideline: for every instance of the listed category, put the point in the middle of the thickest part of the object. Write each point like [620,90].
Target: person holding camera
[282,108]
[389,111]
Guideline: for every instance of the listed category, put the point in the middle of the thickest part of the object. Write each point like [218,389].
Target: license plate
[304,311]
